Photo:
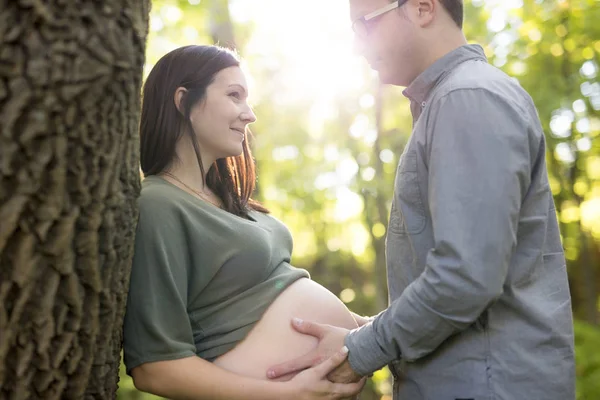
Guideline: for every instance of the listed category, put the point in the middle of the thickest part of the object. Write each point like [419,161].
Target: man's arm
[479,172]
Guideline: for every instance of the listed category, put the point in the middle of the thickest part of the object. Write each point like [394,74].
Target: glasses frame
[361,25]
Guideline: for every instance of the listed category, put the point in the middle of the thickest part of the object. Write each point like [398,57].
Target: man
[480,305]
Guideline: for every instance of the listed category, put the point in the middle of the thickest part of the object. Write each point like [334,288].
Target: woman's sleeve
[157,326]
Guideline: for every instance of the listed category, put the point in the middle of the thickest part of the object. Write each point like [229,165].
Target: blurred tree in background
[328,137]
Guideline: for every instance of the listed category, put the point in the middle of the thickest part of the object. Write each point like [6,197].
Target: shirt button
[423,105]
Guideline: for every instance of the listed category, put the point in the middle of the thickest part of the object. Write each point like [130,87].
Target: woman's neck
[186,168]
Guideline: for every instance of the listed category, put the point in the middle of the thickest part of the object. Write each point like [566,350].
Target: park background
[328,136]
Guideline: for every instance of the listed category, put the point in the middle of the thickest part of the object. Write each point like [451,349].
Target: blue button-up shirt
[479,300]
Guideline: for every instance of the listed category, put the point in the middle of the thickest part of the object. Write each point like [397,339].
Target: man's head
[400,39]
[455,9]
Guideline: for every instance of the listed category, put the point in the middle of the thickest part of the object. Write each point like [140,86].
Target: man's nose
[358,45]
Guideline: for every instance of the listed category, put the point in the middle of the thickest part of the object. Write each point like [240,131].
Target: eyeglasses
[362,26]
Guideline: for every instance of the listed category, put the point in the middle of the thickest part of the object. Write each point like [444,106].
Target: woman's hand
[312,383]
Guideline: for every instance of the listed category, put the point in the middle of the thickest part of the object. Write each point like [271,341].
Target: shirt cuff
[365,355]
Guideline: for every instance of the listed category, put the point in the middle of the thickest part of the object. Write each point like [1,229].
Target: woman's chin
[232,151]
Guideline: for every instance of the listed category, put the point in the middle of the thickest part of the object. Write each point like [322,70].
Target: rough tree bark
[70,77]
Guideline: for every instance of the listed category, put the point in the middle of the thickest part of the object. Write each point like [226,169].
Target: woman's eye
[235,95]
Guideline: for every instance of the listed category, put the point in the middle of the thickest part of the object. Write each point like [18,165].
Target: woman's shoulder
[157,192]
[163,204]
[159,198]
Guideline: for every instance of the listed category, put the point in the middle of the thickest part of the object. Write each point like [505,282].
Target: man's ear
[178,98]
[426,10]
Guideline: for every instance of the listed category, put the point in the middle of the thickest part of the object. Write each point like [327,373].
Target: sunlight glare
[334,244]
[348,205]
[347,295]
[325,180]
[386,156]
[583,125]
[360,239]
[590,214]
[321,110]
[560,124]
[312,43]
[171,14]
[370,137]
[564,153]
[285,153]
[579,106]
[360,126]
[363,158]
[368,174]
[584,144]
[156,23]
[347,170]
[331,153]
[367,101]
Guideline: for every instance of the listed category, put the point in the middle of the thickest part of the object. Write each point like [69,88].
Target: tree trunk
[70,78]
[221,28]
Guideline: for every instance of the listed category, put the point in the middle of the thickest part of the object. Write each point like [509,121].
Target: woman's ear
[180,92]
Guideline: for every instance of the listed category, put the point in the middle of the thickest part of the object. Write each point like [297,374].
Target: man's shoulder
[475,75]
[484,80]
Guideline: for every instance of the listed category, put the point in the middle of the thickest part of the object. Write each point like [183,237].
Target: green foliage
[587,343]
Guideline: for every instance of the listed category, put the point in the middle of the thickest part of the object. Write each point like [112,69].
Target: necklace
[200,194]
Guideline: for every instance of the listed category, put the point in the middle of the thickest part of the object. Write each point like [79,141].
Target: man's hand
[331,339]
[344,374]
[360,320]
[312,383]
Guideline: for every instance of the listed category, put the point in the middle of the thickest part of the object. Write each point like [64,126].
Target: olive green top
[201,276]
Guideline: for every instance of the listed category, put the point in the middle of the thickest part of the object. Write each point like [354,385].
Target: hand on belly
[331,339]
[273,340]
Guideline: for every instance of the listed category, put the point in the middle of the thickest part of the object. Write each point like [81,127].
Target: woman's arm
[197,379]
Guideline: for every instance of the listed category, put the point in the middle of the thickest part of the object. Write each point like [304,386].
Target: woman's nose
[248,116]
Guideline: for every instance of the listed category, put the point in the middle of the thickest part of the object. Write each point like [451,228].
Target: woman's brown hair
[162,124]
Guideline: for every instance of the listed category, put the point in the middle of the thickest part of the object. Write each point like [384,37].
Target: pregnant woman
[212,291]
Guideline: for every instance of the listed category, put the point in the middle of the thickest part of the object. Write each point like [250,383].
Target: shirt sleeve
[156,325]
[478,156]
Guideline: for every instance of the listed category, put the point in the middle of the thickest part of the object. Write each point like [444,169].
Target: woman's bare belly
[273,340]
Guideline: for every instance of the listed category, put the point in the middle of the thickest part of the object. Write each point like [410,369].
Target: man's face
[390,46]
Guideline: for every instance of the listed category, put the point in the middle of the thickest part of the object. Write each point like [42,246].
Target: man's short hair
[455,9]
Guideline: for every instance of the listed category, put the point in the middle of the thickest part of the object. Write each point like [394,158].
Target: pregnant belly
[273,340]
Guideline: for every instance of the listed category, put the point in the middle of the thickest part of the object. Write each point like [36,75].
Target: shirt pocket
[408,211]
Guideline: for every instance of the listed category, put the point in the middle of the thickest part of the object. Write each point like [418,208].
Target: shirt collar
[418,90]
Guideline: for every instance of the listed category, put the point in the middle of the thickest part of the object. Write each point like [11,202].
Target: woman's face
[220,119]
